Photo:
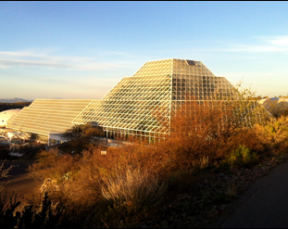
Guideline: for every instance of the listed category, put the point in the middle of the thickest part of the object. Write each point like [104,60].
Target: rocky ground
[209,199]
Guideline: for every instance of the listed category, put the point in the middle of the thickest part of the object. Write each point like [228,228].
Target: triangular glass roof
[146,101]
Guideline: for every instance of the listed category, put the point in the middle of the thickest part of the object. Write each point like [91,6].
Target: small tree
[76,138]
[81,136]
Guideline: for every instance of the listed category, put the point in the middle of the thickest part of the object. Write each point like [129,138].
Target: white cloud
[283,41]
[3,66]
[275,40]
[258,48]
[28,58]
[276,44]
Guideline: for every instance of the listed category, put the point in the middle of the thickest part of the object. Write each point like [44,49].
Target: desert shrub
[242,156]
[51,164]
[207,133]
[134,187]
[98,170]
[59,172]
[81,179]
[274,134]
[125,182]
[128,195]
[122,183]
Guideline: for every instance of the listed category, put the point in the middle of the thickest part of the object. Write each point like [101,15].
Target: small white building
[6,115]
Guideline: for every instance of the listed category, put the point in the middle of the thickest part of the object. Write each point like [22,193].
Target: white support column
[49,140]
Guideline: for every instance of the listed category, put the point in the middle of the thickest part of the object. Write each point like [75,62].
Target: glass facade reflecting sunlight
[140,106]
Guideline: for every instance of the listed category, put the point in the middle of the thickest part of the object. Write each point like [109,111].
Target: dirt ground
[18,180]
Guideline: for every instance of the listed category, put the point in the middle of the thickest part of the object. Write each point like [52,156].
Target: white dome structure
[6,115]
[276,106]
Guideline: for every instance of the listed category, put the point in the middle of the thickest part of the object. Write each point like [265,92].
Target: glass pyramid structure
[142,105]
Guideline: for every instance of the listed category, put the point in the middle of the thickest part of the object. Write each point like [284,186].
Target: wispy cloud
[33,59]
[257,48]
[3,66]
[266,44]
[275,40]
[269,44]
[116,53]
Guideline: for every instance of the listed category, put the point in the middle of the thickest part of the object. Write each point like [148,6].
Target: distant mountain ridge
[14,100]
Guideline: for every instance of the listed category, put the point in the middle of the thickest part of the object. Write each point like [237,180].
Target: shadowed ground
[264,205]
[19,180]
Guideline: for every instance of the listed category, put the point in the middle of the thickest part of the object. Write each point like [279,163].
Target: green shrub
[241,157]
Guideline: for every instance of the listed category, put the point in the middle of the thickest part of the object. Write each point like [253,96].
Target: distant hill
[14,100]
[13,105]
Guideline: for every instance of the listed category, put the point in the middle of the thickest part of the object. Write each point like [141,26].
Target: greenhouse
[140,106]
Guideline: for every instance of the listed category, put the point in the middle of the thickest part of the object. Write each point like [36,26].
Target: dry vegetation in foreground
[131,184]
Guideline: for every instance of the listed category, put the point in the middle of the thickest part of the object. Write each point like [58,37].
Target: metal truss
[45,116]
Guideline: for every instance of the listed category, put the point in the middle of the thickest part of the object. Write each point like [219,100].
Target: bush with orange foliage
[51,164]
[84,180]
[274,134]
[206,133]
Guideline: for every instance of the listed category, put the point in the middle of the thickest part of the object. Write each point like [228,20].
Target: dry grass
[134,187]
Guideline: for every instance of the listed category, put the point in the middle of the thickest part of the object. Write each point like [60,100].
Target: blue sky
[83,49]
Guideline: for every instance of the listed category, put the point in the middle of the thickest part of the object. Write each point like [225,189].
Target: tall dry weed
[134,187]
